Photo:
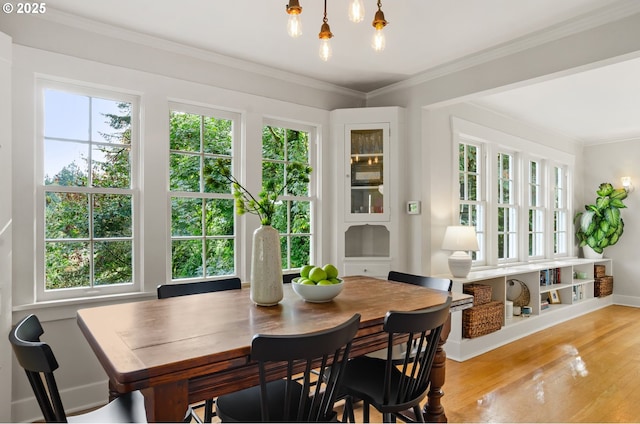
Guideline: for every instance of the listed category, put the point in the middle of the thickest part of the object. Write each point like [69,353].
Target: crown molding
[100,28]
[584,22]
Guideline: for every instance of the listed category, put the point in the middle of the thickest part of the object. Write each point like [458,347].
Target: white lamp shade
[460,239]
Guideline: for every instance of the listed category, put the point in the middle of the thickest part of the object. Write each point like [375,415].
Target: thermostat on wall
[413,207]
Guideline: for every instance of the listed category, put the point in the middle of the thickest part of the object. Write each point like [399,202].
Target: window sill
[67,308]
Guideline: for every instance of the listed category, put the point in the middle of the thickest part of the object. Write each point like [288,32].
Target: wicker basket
[481,293]
[483,319]
[603,286]
[599,271]
[518,293]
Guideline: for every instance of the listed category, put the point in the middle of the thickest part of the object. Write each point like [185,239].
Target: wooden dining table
[183,350]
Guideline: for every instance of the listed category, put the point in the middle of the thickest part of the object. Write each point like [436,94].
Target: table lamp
[460,239]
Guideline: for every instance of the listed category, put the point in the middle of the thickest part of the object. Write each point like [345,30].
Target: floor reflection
[494,405]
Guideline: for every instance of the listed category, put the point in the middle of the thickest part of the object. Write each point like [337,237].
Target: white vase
[589,253]
[266,267]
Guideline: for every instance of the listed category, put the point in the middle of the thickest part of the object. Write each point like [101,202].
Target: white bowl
[315,293]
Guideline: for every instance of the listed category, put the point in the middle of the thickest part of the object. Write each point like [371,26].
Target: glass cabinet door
[367,150]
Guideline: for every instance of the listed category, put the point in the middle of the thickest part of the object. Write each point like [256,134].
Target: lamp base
[460,264]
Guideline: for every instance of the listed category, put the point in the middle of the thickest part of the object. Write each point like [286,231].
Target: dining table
[182,350]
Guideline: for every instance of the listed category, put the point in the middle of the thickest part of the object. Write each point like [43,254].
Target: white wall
[608,162]
[5,223]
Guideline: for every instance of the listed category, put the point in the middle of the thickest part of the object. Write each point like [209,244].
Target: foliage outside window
[471,205]
[282,147]
[536,223]
[203,237]
[506,208]
[88,200]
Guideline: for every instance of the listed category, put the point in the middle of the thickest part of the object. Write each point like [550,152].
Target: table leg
[433,411]
[167,402]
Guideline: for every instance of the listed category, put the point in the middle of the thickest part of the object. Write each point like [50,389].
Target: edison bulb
[356,11]
[325,49]
[294,25]
[378,41]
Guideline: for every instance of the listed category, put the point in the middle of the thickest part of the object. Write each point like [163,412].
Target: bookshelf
[570,283]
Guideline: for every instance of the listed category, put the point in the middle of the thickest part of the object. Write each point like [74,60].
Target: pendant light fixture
[356,11]
[294,26]
[356,14]
[325,35]
[379,22]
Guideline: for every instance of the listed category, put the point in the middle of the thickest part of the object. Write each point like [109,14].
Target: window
[203,235]
[524,214]
[560,212]
[87,195]
[507,211]
[536,224]
[281,145]
[471,193]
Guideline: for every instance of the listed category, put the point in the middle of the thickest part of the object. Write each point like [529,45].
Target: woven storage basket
[603,286]
[518,293]
[483,319]
[481,293]
[599,271]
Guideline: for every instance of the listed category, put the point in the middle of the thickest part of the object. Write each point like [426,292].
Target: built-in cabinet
[571,281]
[367,148]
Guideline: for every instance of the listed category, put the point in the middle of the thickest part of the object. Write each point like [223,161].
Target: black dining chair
[394,388]
[39,363]
[186,289]
[287,278]
[443,284]
[290,399]
[436,283]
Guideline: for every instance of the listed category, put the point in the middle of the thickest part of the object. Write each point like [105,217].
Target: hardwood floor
[583,370]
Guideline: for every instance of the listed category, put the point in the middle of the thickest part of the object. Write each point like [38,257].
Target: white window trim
[492,140]
[41,295]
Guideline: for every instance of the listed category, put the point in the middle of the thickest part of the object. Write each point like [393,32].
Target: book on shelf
[544,305]
[549,277]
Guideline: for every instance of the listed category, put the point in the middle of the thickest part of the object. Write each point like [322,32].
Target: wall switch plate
[413,207]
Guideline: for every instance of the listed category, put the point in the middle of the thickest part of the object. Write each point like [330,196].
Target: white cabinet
[367,153]
[571,281]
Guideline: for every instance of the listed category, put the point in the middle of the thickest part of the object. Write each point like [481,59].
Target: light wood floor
[583,370]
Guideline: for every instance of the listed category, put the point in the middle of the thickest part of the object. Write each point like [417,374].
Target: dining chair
[39,363]
[288,399]
[390,388]
[443,284]
[287,278]
[186,289]
[436,283]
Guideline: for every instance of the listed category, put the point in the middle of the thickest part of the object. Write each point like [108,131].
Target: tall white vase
[266,267]
[589,253]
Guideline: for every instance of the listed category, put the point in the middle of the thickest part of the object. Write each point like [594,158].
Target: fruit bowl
[317,293]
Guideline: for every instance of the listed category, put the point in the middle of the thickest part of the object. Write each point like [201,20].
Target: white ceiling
[597,105]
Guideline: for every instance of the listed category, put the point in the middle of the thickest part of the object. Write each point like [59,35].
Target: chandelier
[356,14]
